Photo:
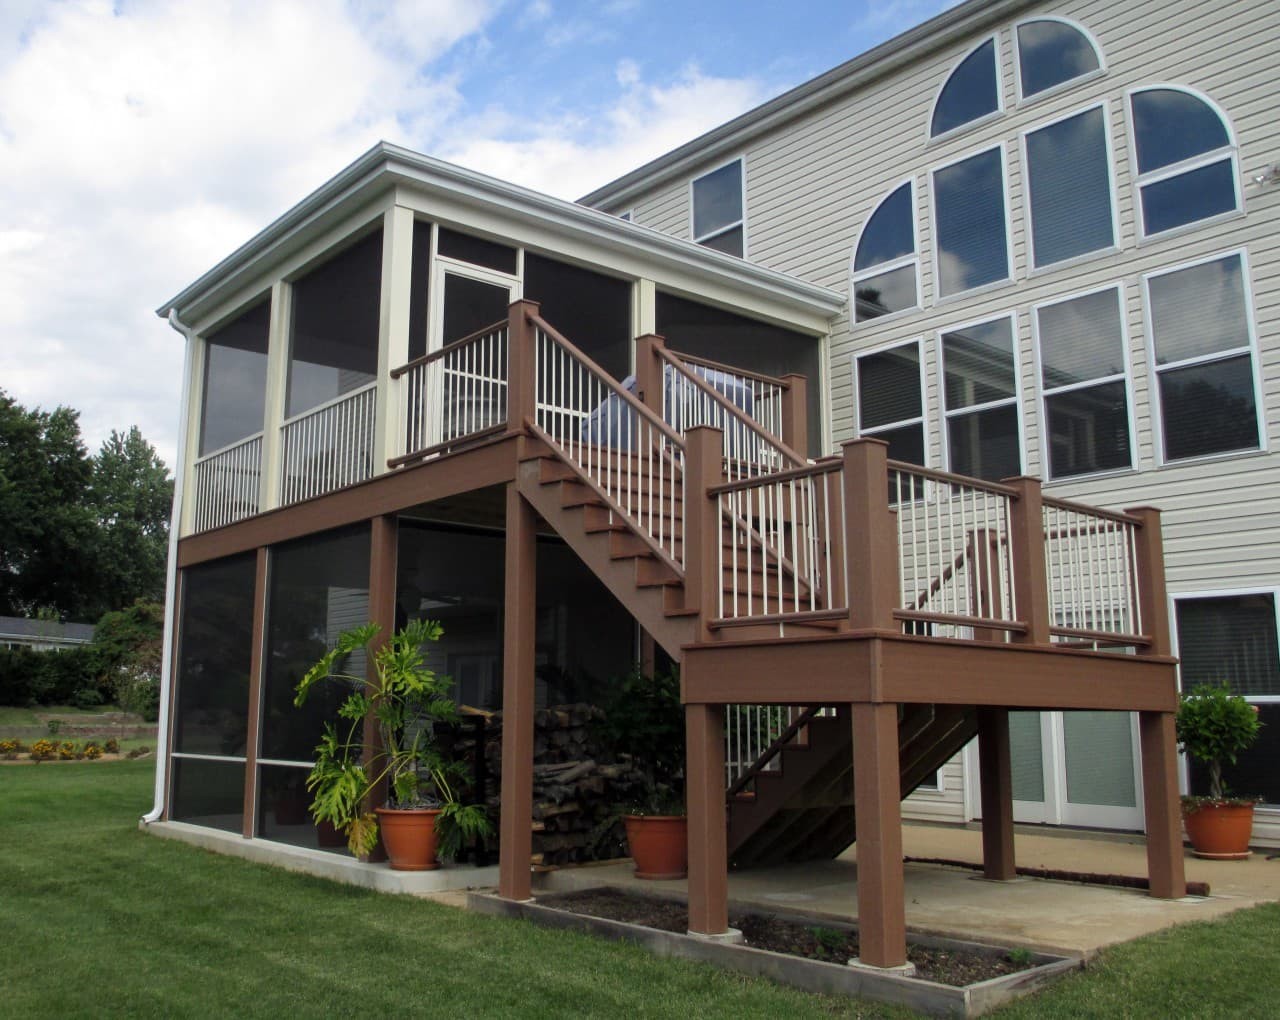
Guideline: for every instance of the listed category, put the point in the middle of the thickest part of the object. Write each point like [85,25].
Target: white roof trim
[386,165]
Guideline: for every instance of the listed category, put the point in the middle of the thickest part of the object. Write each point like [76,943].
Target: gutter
[171,580]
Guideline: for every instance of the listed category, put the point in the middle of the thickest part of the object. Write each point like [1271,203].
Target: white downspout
[171,579]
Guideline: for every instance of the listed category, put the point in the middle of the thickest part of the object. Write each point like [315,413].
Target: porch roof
[385,167]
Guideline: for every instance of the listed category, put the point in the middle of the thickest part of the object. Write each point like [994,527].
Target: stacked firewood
[579,791]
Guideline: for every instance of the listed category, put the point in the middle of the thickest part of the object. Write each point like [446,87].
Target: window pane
[1050,53]
[1170,126]
[284,811]
[1027,756]
[984,444]
[235,389]
[319,588]
[977,363]
[215,640]
[1088,430]
[888,234]
[970,92]
[887,292]
[889,386]
[1186,198]
[1209,408]
[1080,339]
[717,199]
[1070,188]
[1098,750]
[209,793]
[1231,639]
[730,242]
[905,444]
[1199,310]
[1256,772]
[969,201]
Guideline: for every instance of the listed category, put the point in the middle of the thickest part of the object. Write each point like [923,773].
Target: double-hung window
[719,215]
[1069,180]
[1084,381]
[1202,342]
[890,391]
[980,399]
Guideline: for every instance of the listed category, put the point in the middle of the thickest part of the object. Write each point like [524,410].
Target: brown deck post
[521,356]
[254,730]
[994,765]
[649,371]
[882,930]
[1166,869]
[708,820]
[384,548]
[704,453]
[1030,577]
[516,824]
[795,413]
[871,544]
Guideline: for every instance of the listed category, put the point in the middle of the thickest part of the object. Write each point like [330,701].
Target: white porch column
[194,413]
[393,331]
[274,405]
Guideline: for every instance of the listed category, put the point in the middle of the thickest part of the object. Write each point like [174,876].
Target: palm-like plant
[408,700]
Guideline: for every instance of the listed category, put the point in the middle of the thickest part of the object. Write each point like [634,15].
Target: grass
[101,919]
[13,716]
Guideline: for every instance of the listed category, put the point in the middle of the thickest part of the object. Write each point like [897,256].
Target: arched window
[972,91]
[885,264]
[1185,157]
[1051,53]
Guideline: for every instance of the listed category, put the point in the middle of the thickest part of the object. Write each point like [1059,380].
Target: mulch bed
[815,940]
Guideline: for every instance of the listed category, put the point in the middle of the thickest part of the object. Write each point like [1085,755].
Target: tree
[131,495]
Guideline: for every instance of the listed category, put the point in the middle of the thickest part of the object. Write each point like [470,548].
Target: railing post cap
[526,303]
[657,339]
[864,441]
[695,430]
[1015,479]
[1135,510]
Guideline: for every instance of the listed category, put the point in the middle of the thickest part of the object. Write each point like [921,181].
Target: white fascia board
[386,166]
[735,135]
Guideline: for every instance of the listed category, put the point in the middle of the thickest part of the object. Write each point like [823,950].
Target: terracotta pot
[409,838]
[1220,832]
[659,845]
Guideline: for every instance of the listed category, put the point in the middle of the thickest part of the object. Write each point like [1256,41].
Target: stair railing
[754,756]
[765,396]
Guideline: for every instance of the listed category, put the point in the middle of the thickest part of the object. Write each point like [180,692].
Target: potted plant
[1214,726]
[423,814]
[645,720]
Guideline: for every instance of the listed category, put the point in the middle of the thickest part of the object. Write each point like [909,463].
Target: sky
[141,141]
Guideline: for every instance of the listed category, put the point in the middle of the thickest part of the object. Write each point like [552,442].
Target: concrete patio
[1054,916]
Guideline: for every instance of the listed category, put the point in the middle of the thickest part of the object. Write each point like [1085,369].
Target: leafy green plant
[1214,726]
[1019,956]
[408,700]
[830,940]
[644,719]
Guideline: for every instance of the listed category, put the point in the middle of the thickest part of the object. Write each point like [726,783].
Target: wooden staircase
[803,810]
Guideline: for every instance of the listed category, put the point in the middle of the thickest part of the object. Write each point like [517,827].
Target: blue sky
[143,140]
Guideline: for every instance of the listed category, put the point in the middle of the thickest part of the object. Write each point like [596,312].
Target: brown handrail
[693,359]
[954,619]
[733,409]
[823,467]
[453,345]
[427,451]
[612,384]
[1091,511]
[952,479]
[1110,636]
[772,751]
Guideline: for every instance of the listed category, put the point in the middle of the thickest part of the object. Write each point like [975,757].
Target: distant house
[42,635]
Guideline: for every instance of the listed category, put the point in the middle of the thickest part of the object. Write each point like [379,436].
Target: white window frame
[938,297]
[856,276]
[1062,86]
[932,139]
[1043,393]
[740,159]
[1231,150]
[947,413]
[1157,405]
[922,419]
[1112,192]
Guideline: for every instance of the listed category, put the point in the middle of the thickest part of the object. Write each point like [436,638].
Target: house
[775,403]
[42,635]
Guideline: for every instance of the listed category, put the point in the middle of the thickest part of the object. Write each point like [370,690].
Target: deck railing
[1091,564]
[328,447]
[227,484]
[452,396]
[760,396]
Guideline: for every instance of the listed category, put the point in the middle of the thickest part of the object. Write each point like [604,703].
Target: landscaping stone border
[810,975]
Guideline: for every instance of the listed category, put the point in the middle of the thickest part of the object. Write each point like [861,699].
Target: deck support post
[520,613]
[708,820]
[795,413]
[995,767]
[882,931]
[704,453]
[384,548]
[871,542]
[1166,871]
[256,659]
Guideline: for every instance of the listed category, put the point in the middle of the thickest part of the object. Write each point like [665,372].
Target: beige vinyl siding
[944,805]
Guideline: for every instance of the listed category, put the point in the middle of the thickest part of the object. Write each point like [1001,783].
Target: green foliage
[28,677]
[643,718]
[1020,956]
[408,700]
[830,939]
[1214,726]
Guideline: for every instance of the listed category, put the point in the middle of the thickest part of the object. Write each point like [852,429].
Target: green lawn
[13,716]
[102,920]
